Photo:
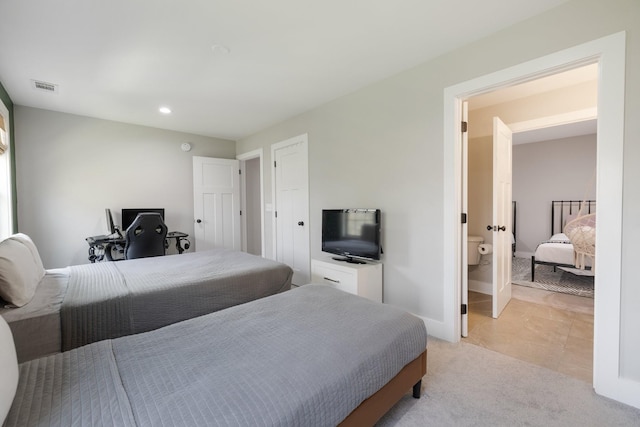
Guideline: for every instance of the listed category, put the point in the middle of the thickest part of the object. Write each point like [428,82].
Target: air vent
[44,86]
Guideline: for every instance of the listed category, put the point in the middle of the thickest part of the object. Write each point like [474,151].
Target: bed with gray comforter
[88,303]
[306,357]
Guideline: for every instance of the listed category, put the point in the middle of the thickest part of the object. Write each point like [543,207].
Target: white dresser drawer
[343,280]
[359,279]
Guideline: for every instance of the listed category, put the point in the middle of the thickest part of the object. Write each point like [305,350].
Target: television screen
[351,233]
[129,215]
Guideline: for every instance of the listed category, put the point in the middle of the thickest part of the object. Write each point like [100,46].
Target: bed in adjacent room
[285,360]
[78,305]
[558,251]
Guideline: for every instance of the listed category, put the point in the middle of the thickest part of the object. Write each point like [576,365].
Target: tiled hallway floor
[537,326]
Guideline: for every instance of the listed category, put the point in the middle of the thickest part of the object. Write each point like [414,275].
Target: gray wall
[561,169]
[382,146]
[70,168]
[252,209]
[551,170]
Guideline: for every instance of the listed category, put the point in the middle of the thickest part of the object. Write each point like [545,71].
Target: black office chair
[146,236]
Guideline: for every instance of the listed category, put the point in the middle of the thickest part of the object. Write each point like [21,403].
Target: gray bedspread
[113,299]
[36,325]
[306,357]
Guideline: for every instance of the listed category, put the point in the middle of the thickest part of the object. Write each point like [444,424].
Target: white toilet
[473,255]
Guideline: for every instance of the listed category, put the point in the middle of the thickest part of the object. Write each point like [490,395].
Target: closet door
[216,203]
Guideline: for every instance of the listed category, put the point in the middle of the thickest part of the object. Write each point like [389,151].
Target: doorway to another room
[549,320]
[252,202]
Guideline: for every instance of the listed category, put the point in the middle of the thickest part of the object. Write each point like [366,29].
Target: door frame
[7,227]
[609,53]
[250,155]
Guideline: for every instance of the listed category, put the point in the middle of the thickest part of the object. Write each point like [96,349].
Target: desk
[101,247]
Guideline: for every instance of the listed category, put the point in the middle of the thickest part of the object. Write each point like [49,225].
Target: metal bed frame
[566,208]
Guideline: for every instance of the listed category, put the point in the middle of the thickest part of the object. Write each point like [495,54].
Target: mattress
[285,360]
[558,249]
[93,302]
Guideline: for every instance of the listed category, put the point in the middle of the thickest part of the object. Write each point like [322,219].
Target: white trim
[556,120]
[259,154]
[481,287]
[435,327]
[609,52]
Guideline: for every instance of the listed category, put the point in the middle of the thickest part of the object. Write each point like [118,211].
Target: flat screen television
[353,234]
[129,215]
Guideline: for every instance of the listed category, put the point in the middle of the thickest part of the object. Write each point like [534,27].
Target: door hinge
[464,218]
[240,213]
[239,171]
[274,163]
[463,309]
[276,212]
[464,127]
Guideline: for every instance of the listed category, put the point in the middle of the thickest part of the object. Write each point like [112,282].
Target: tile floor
[544,328]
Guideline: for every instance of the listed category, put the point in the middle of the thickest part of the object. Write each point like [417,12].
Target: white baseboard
[481,287]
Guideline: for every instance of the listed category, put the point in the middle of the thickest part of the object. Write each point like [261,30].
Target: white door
[464,296]
[291,199]
[501,216]
[216,203]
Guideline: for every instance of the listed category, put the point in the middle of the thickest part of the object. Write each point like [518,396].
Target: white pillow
[26,240]
[8,370]
[19,272]
[559,238]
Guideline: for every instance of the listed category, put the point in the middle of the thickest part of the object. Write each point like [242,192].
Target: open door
[464,274]
[502,136]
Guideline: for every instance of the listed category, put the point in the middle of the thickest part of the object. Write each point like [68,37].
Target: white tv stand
[359,279]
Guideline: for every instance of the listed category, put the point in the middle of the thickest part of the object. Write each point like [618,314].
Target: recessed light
[165,110]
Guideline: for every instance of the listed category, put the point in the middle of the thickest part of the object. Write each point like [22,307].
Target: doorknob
[498,228]
[198,221]
[301,223]
[489,227]
[503,228]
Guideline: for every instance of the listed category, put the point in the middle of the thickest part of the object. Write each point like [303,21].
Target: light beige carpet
[467,385]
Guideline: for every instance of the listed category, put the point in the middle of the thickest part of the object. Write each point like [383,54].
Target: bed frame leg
[416,389]
[533,268]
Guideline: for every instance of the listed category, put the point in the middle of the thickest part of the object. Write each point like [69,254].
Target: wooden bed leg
[416,389]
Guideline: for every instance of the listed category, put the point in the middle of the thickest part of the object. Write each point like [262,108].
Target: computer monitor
[129,215]
[110,225]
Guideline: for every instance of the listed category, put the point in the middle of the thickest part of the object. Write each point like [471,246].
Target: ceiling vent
[44,86]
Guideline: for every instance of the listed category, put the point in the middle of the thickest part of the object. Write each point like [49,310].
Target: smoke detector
[44,86]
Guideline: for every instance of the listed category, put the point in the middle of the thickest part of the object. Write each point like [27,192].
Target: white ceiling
[120,60]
